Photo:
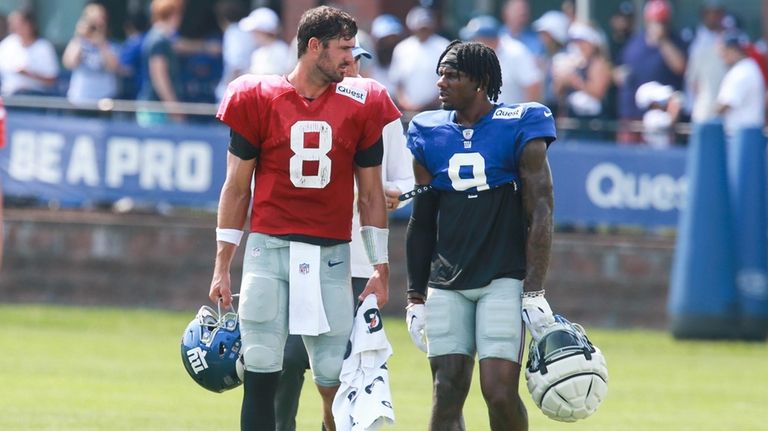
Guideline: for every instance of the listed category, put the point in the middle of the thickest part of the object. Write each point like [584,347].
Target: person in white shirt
[412,71]
[92,58]
[521,77]
[705,68]
[272,55]
[741,99]
[28,63]
[397,175]
[237,45]
[387,32]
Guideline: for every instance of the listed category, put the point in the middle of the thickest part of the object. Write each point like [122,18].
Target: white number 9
[476,162]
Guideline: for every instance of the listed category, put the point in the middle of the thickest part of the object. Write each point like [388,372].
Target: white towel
[364,401]
[306,314]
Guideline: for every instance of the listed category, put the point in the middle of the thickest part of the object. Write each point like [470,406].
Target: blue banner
[80,161]
[615,185]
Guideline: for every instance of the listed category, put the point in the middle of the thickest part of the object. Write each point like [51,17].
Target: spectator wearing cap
[412,71]
[517,15]
[271,57]
[582,76]
[705,68]
[741,99]
[552,28]
[661,105]
[652,54]
[387,32]
[237,45]
[521,77]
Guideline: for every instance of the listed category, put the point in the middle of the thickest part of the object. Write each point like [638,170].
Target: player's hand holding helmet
[537,314]
[210,350]
[566,374]
[414,317]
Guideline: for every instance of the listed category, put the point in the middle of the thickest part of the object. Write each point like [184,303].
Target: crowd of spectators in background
[642,80]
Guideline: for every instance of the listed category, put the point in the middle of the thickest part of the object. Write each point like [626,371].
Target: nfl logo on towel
[304,268]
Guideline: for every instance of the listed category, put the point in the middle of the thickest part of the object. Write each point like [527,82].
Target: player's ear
[314,44]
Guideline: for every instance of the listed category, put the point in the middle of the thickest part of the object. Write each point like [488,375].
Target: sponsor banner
[607,184]
[80,162]
[83,161]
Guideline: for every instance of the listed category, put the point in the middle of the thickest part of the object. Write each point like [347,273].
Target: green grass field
[65,368]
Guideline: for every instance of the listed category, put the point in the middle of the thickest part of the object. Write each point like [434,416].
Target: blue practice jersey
[484,156]
[482,224]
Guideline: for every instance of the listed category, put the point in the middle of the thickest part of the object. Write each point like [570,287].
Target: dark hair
[28,15]
[138,20]
[324,23]
[479,62]
[230,10]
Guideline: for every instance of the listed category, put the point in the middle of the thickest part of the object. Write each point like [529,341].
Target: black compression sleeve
[370,156]
[420,239]
[240,146]
[258,409]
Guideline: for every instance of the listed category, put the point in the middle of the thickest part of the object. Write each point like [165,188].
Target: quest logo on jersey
[508,113]
[357,94]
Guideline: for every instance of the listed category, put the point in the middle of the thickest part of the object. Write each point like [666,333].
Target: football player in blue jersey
[478,241]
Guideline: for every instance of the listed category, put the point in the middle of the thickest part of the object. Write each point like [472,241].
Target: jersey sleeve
[537,122]
[239,109]
[415,142]
[730,91]
[380,112]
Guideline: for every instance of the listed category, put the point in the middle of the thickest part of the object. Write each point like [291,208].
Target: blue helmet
[210,350]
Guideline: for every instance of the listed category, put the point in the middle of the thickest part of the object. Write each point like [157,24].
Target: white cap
[386,25]
[581,31]
[419,17]
[555,23]
[652,92]
[262,19]
[358,50]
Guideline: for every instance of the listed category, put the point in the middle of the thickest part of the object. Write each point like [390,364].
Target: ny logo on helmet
[196,359]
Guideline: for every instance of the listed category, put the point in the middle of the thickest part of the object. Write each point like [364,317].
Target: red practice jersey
[305,170]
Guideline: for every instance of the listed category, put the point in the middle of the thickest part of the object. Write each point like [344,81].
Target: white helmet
[567,376]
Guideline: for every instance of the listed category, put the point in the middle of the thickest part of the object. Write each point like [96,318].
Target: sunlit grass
[65,368]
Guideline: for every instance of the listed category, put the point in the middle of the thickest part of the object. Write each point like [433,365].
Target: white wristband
[375,241]
[231,236]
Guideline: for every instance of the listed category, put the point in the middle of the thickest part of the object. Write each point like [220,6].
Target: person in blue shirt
[135,26]
[479,238]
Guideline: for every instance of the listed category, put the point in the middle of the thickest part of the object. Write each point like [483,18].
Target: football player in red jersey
[304,139]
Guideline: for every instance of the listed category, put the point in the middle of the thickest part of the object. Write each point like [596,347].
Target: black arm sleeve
[420,240]
[370,156]
[240,146]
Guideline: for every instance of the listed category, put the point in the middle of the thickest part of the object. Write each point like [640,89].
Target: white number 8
[476,162]
[319,154]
